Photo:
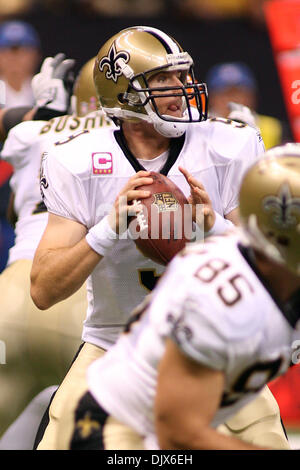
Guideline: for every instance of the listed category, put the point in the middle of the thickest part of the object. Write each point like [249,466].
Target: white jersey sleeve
[211,350]
[62,190]
[248,155]
[230,149]
[18,142]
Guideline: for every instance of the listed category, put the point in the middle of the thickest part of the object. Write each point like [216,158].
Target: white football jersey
[212,303]
[23,148]
[83,175]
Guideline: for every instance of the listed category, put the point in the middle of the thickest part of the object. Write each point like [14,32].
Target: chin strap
[166,128]
[170,129]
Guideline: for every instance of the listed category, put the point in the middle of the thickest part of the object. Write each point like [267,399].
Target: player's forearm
[58,273]
[204,439]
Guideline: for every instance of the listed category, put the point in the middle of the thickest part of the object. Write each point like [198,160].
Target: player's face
[19,61]
[170,105]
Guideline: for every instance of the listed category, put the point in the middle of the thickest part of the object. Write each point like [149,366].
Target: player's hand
[50,86]
[241,113]
[202,210]
[125,204]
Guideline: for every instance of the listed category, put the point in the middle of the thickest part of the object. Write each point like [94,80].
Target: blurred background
[234,44]
[211,30]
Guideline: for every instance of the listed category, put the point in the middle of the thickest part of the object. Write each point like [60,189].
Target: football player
[57,80]
[51,89]
[221,323]
[140,77]
[39,345]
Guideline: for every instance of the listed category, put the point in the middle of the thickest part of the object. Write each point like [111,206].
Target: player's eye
[161,78]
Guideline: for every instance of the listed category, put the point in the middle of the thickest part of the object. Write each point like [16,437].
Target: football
[164,225]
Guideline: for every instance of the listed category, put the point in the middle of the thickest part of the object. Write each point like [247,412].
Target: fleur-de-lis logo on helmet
[283,205]
[111,62]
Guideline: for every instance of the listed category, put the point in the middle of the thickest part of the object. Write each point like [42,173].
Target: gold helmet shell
[270,205]
[84,99]
[123,67]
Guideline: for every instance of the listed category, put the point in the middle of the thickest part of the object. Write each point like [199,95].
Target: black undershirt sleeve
[14,116]
[45,114]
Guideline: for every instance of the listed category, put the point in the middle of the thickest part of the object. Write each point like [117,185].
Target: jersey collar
[176,146]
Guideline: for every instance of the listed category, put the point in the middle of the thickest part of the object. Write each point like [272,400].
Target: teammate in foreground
[220,324]
[40,345]
[140,77]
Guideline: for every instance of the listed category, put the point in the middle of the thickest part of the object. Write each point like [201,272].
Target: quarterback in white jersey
[39,347]
[82,177]
[220,324]
[85,176]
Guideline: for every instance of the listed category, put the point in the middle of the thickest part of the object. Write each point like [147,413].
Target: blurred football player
[51,88]
[89,181]
[39,345]
[221,323]
[56,79]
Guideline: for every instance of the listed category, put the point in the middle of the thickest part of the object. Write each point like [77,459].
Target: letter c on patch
[102,163]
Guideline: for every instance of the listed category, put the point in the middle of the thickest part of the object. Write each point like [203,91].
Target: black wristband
[45,114]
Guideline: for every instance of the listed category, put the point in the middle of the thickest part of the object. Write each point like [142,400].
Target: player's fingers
[134,208]
[47,67]
[185,173]
[136,179]
[201,194]
[139,175]
[61,70]
[137,194]
[194,182]
[141,181]
[125,210]
[190,179]
[207,210]
[136,182]
[142,173]
[57,59]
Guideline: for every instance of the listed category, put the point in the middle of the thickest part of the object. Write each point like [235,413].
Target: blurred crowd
[209,9]
[20,55]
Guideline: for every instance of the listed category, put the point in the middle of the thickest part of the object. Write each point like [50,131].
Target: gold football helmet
[123,67]
[84,99]
[270,205]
